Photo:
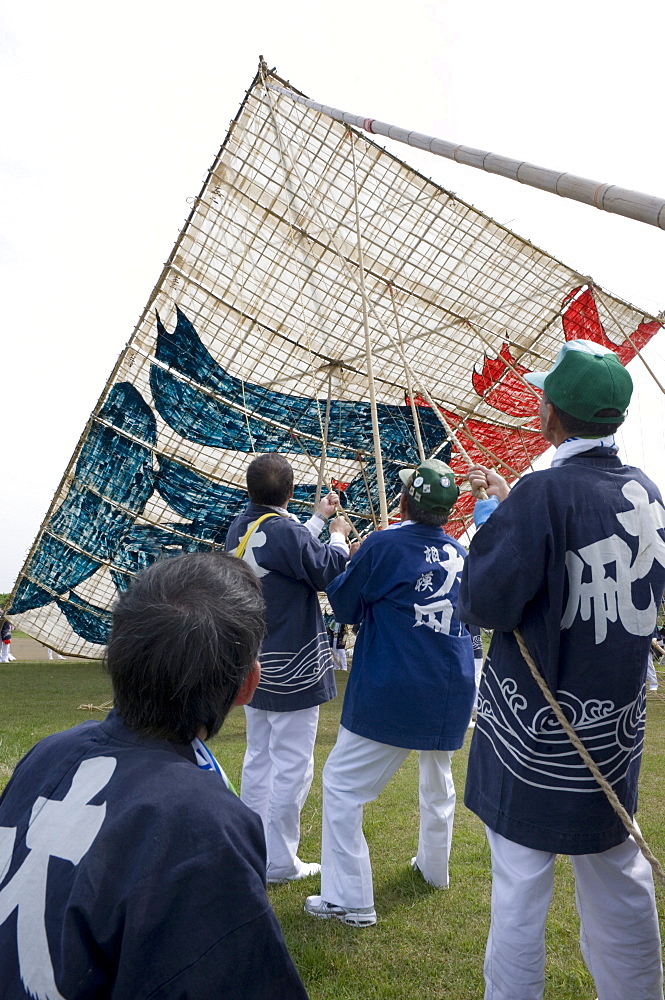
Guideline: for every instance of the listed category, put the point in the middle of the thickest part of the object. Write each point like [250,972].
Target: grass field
[427,944]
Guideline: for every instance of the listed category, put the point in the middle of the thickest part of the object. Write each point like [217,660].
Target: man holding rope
[296,663]
[573,557]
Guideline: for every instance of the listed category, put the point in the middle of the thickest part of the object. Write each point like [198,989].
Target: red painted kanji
[581,322]
[499,385]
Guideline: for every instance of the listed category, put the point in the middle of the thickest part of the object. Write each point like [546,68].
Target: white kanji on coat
[256,541]
[63,829]
[610,597]
[438,612]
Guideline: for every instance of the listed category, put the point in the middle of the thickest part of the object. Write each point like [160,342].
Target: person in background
[477,642]
[652,676]
[5,641]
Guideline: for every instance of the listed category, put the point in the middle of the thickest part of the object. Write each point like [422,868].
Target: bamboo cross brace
[340,510]
[482,495]
[627,337]
[407,372]
[488,451]
[369,496]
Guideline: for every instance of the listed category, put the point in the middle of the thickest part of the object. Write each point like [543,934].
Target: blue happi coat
[296,663]
[412,678]
[575,556]
[128,873]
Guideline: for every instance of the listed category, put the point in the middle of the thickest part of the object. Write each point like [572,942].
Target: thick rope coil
[627,821]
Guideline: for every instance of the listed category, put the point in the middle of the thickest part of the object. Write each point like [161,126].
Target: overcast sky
[113,113]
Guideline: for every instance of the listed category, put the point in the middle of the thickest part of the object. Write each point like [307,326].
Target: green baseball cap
[432,485]
[585,379]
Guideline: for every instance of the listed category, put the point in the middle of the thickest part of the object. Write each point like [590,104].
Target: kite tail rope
[627,821]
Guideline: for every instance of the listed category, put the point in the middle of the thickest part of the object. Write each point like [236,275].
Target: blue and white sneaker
[363,916]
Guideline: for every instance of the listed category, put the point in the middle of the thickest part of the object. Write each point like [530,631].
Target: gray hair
[184,638]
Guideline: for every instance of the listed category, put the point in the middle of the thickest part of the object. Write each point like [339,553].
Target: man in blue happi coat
[575,557]
[129,868]
[297,670]
[411,687]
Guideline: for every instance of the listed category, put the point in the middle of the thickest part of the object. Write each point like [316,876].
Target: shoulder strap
[242,544]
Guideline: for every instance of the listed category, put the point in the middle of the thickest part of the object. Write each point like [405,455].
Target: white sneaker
[414,865]
[363,916]
[303,870]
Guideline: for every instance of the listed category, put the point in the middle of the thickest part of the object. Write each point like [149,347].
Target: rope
[378,458]
[357,276]
[105,707]
[482,495]
[324,470]
[324,443]
[340,512]
[285,155]
[359,280]
[613,798]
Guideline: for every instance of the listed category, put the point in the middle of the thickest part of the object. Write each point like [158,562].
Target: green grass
[428,943]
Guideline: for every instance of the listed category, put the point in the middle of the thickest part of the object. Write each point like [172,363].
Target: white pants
[356,772]
[652,676]
[478,671]
[619,933]
[276,777]
[5,648]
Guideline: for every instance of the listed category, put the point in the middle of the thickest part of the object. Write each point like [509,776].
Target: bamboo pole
[606,197]
[324,443]
[369,496]
[407,372]
[378,459]
[340,512]
[490,454]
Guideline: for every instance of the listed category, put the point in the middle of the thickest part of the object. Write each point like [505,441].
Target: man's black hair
[270,480]
[184,637]
[415,512]
[575,427]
